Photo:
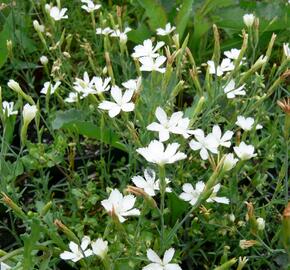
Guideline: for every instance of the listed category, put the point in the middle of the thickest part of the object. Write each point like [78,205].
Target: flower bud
[260,224]
[229,162]
[249,19]
[14,86]
[244,244]
[38,27]
[29,112]
[43,60]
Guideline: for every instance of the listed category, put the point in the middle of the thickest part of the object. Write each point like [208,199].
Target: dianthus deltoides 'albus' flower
[90,6]
[232,54]
[223,140]
[100,85]
[121,35]
[106,31]
[4,266]
[122,102]
[151,64]
[246,123]
[77,252]
[149,183]
[248,19]
[166,125]
[147,49]
[204,143]
[158,264]
[8,108]
[57,14]
[72,97]
[226,65]
[100,247]
[286,50]
[119,205]
[244,151]
[52,87]
[14,86]
[231,91]
[43,60]
[168,29]
[133,84]
[191,194]
[29,112]
[155,153]
[229,162]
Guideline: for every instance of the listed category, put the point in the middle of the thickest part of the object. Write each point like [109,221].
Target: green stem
[162,187]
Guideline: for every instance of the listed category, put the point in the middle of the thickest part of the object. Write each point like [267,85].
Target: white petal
[116,93]
[153,257]
[168,255]
[128,107]
[161,115]
[114,111]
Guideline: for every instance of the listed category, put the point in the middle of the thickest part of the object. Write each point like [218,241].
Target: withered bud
[140,192]
[284,104]
[244,244]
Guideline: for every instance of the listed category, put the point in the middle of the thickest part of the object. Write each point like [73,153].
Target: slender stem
[286,173]
[162,187]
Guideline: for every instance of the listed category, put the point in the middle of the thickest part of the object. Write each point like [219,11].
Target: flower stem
[162,187]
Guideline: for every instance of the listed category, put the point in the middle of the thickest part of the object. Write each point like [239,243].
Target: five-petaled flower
[246,123]
[155,153]
[244,151]
[166,31]
[147,49]
[58,14]
[149,183]
[122,102]
[120,206]
[164,264]
[49,86]
[231,91]
[77,252]
[151,64]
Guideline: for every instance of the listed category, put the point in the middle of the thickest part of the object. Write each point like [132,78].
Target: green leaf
[5,34]
[90,130]
[155,12]
[73,120]
[29,245]
[65,117]
[183,16]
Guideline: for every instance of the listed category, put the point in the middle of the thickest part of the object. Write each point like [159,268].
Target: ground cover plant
[144,134]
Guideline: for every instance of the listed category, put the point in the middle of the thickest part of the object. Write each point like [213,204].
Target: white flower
[190,194]
[90,6]
[222,140]
[158,264]
[286,49]
[166,124]
[150,64]
[8,108]
[100,85]
[100,247]
[106,31]
[29,112]
[232,54]
[182,128]
[72,97]
[244,151]
[38,27]
[119,205]
[4,266]
[232,92]
[121,35]
[246,123]
[155,153]
[204,144]
[147,49]
[14,86]
[248,19]
[168,29]
[77,252]
[226,65]
[58,14]
[133,84]
[260,223]
[122,102]
[214,198]
[43,60]
[84,86]
[52,87]
[229,162]
[149,183]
